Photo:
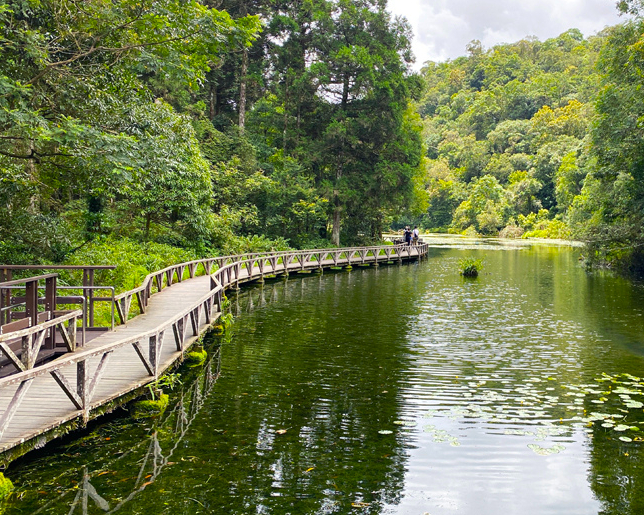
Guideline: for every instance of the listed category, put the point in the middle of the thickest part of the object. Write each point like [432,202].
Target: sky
[442,28]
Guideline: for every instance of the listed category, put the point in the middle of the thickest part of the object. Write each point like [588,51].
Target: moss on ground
[6,486]
[196,358]
[150,408]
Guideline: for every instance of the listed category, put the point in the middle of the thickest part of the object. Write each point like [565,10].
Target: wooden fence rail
[257,265]
[185,324]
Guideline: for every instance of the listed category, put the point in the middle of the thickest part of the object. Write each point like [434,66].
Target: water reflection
[149,456]
[395,390]
[291,427]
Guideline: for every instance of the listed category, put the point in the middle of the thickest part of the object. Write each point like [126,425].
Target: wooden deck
[105,372]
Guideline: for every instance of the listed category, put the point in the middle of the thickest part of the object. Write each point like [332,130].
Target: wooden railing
[231,271]
[255,265]
[156,279]
[147,346]
[28,330]
[88,289]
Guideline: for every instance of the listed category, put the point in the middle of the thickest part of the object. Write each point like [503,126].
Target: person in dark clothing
[407,236]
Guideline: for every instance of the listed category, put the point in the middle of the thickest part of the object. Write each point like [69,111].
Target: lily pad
[544,451]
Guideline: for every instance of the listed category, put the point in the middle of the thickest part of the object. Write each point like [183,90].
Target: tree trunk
[242,91]
[337,210]
[299,119]
[286,92]
[148,219]
[213,101]
[345,91]
[31,171]
[335,232]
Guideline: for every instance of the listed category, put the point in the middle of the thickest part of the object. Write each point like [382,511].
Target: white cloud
[442,28]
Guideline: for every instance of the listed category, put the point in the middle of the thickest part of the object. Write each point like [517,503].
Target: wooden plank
[11,327]
[10,412]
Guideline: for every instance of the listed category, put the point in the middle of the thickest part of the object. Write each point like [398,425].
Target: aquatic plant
[6,486]
[470,267]
[196,357]
[226,320]
[169,381]
[150,408]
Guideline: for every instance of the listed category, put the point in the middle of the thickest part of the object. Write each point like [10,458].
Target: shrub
[133,260]
[552,229]
[511,232]
[470,267]
[471,232]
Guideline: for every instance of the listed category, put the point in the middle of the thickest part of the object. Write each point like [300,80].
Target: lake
[390,390]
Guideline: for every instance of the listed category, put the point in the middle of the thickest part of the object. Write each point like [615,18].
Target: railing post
[152,353]
[50,306]
[91,298]
[26,356]
[88,293]
[31,301]
[5,297]
[81,385]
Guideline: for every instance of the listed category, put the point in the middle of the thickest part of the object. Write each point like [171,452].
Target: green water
[396,390]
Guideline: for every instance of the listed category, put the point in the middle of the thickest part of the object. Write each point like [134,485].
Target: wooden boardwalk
[39,403]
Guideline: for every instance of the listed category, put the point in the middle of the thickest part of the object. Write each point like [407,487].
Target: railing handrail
[57,267]
[296,253]
[80,355]
[17,282]
[249,256]
[152,275]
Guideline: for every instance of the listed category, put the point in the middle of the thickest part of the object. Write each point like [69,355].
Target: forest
[147,132]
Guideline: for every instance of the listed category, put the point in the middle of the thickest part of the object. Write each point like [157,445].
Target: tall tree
[78,115]
[345,90]
[610,211]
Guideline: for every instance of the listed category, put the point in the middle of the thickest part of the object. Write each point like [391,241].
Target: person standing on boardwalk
[416,234]
[407,236]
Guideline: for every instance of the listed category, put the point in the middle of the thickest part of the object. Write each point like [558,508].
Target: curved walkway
[38,405]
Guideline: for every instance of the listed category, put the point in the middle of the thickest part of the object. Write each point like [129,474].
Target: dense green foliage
[195,124]
[541,139]
[247,125]
[609,213]
[506,135]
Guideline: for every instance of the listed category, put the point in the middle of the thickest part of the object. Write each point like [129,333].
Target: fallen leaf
[281,431]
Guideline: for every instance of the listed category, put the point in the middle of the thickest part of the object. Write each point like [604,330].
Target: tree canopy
[226,125]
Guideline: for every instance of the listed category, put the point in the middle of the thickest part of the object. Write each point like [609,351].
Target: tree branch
[93,49]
